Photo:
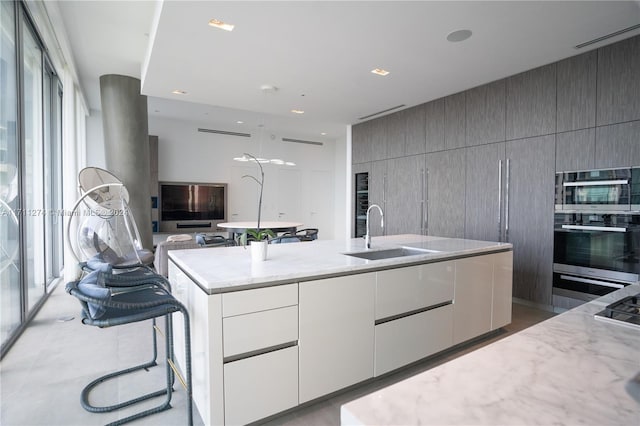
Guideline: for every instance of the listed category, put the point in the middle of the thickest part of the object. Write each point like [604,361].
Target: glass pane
[10,306]
[34,166]
[52,171]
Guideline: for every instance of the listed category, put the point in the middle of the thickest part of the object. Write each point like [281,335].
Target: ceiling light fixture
[324,133]
[297,111]
[277,161]
[240,122]
[179,92]
[221,24]
[459,35]
[380,71]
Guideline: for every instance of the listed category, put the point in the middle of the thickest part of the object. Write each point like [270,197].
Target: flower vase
[259,250]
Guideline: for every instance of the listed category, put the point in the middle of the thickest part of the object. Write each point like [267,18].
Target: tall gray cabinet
[528,217]
[445,175]
[404,212]
[485,188]
[480,164]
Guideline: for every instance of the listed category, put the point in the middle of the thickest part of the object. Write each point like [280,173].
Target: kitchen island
[320,316]
[571,369]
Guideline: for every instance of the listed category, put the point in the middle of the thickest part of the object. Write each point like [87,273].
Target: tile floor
[42,375]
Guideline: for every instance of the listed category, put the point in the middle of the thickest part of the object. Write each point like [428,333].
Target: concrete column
[126,144]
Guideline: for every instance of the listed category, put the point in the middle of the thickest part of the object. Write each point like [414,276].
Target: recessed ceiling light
[323,133]
[459,35]
[297,111]
[380,71]
[289,163]
[221,24]
[179,92]
[240,122]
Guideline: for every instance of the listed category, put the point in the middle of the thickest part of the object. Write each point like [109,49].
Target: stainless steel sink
[390,253]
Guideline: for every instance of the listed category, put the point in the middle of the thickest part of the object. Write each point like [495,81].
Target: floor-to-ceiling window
[10,273]
[30,171]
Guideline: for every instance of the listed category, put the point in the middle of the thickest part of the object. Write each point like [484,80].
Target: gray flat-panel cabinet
[576,150]
[405,188]
[485,182]
[455,121]
[415,130]
[361,143]
[434,125]
[445,193]
[618,145]
[576,97]
[394,134]
[485,113]
[529,205]
[531,103]
[619,82]
[378,192]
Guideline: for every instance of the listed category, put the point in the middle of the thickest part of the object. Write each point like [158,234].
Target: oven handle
[588,281]
[597,183]
[595,228]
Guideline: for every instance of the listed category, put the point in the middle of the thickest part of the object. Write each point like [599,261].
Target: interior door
[289,207]
[243,194]
[318,207]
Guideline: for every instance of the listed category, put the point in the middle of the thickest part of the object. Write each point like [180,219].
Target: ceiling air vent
[605,37]
[302,141]
[380,112]
[225,132]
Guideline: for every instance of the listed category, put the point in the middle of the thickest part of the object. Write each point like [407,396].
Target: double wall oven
[596,234]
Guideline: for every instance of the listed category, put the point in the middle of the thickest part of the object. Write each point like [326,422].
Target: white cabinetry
[260,334]
[502,289]
[482,295]
[414,315]
[336,333]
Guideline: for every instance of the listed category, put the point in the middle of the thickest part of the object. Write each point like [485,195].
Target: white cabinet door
[260,386]
[403,290]
[502,289]
[336,333]
[473,297]
[405,340]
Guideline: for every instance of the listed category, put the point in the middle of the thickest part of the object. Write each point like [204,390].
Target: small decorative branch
[260,182]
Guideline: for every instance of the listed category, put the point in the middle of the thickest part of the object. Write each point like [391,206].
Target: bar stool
[111,300]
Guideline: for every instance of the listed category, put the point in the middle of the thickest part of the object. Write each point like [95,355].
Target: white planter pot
[259,250]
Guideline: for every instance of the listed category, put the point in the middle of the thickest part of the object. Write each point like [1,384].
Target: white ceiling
[319,54]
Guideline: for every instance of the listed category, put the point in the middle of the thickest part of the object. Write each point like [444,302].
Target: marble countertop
[223,269]
[571,369]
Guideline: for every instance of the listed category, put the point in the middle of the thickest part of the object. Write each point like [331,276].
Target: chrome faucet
[367,237]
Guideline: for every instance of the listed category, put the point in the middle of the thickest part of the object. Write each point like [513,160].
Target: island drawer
[246,334]
[403,290]
[259,299]
[406,340]
[260,386]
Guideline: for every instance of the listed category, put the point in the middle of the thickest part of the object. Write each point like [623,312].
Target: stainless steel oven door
[598,241]
[595,254]
[598,190]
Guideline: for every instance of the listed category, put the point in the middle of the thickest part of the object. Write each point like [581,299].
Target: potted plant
[259,244]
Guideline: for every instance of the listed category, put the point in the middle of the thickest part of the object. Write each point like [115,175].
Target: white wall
[95,140]
[312,192]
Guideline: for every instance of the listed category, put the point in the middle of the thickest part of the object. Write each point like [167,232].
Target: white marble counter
[568,370]
[228,269]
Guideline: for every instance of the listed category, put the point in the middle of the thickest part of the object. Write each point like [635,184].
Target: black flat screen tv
[191,206]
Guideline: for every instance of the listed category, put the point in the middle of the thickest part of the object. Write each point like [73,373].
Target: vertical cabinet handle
[384,199]
[422,202]
[506,207]
[425,218]
[499,200]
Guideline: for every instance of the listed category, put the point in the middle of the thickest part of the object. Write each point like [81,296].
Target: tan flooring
[42,375]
